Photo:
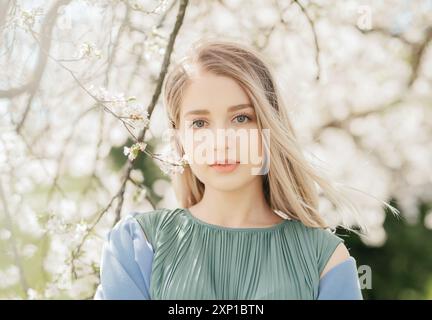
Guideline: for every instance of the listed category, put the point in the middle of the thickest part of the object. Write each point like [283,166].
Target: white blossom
[9,276]
[32,294]
[89,50]
[170,163]
[132,152]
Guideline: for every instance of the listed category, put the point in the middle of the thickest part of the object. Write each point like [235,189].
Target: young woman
[237,234]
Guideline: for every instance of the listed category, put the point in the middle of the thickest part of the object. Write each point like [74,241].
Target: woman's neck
[245,207]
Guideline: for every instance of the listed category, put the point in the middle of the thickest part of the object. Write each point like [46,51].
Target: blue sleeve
[341,282]
[126,263]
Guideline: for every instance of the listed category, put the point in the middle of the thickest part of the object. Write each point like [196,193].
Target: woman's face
[218,124]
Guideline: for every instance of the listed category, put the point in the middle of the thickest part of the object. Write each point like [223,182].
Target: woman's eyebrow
[230,109]
[239,107]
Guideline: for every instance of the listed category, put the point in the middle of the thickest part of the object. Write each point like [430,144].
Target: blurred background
[80,81]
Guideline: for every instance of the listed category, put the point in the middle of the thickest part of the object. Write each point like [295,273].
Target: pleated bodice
[197,260]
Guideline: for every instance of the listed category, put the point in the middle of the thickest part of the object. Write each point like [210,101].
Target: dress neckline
[234,229]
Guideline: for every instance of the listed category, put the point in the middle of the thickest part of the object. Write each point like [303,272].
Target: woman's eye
[242,118]
[198,123]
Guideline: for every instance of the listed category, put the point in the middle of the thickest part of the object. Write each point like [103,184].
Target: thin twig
[315,37]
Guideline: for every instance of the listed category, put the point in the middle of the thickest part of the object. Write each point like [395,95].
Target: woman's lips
[225,167]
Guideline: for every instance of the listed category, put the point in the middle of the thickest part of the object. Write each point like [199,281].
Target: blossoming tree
[82,121]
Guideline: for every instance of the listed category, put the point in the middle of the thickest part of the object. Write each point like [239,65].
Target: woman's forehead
[212,93]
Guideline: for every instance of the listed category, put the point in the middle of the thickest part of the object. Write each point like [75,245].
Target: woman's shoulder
[315,234]
[127,229]
[155,218]
[320,242]
[152,221]
[125,262]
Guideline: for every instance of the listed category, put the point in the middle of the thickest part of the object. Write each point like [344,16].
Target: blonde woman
[240,233]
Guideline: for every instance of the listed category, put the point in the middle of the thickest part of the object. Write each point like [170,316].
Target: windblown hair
[291,184]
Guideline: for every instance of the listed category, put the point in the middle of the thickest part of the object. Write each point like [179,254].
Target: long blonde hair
[291,184]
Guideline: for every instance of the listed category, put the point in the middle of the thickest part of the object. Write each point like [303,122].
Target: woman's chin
[229,182]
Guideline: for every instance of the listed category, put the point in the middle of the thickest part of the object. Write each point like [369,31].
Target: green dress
[197,260]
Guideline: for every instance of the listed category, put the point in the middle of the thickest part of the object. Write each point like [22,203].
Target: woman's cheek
[249,150]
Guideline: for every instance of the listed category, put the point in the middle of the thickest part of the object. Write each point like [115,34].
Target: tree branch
[315,38]
[155,97]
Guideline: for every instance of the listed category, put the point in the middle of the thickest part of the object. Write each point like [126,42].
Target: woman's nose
[224,142]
